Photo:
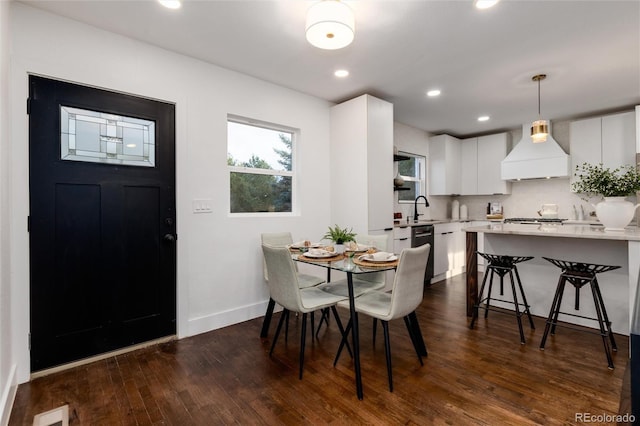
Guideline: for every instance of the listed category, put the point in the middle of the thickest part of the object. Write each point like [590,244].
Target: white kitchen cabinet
[492,149]
[480,165]
[444,165]
[609,140]
[361,175]
[469,166]
[449,249]
[401,239]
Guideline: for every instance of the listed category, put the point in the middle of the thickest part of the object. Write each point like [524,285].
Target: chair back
[277,239]
[380,242]
[408,285]
[283,278]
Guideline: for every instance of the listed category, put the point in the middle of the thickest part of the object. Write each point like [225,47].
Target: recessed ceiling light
[483,118]
[484,4]
[341,73]
[433,93]
[171,4]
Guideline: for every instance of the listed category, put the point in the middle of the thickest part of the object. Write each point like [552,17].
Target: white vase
[398,181]
[615,213]
[338,248]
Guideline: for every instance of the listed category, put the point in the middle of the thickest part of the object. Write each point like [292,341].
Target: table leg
[472,271]
[267,319]
[355,336]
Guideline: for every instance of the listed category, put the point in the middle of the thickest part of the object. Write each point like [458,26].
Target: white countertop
[631,233]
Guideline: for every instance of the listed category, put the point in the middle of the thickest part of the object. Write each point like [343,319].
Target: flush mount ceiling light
[341,73]
[539,128]
[330,25]
[483,118]
[484,4]
[171,4]
[433,93]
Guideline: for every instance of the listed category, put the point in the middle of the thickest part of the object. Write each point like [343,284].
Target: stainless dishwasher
[420,235]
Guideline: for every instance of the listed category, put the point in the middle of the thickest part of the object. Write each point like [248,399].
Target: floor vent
[56,417]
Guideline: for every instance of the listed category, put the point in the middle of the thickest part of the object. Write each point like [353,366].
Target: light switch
[202,205]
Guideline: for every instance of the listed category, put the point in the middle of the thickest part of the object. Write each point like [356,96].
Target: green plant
[339,235]
[598,180]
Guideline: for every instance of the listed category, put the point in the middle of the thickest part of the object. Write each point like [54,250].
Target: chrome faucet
[415,206]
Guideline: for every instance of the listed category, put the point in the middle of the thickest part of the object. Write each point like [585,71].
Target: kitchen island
[590,244]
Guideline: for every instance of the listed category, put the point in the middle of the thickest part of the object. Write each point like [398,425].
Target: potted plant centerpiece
[614,186]
[339,236]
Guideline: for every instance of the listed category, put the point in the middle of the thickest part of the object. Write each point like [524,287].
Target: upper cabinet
[609,140]
[480,165]
[361,175]
[467,167]
[444,165]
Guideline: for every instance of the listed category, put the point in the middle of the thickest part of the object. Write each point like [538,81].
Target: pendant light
[330,25]
[540,127]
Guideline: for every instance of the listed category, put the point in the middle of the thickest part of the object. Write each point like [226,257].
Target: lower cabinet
[449,253]
[401,239]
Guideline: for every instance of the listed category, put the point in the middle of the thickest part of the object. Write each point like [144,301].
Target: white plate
[369,258]
[361,248]
[300,244]
[321,255]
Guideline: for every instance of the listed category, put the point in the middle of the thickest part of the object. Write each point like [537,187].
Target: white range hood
[528,160]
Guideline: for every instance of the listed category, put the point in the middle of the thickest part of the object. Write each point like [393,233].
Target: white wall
[219,260]
[7,362]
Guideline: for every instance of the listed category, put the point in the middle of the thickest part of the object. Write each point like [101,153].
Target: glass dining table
[351,267]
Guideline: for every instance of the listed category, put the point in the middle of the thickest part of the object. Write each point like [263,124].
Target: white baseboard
[223,319]
[8,396]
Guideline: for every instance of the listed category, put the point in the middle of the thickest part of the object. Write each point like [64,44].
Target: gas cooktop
[533,220]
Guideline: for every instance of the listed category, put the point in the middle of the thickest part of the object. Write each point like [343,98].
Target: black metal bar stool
[503,265]
[580,274]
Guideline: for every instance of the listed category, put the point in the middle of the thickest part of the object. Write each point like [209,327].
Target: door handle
[169,238]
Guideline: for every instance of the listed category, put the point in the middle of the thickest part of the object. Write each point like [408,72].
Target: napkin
[380,256]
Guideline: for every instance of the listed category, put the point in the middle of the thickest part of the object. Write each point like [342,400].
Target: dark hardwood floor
[482,376]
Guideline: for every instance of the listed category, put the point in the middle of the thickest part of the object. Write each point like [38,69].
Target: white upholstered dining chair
[283,239]
[284,288]
[405,296]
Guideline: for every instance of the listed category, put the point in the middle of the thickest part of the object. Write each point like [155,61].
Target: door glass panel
[98,137]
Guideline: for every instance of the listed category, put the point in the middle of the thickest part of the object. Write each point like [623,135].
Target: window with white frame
[413,171]
[261,166]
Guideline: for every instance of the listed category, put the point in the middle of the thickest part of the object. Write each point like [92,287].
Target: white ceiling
[482,61]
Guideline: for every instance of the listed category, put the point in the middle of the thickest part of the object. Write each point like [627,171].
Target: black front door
[102,221]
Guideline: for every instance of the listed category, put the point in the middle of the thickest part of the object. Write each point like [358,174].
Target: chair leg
[488,301]
[552,311]
[313,321]
[324,318]
[474,316]
[286,327]
[517,307]
[524,298]
[605,316]
[303,337]
[559,304]
[267,318]
[601,323]
[375,330]
[387,352]
[413,338]
[275,336]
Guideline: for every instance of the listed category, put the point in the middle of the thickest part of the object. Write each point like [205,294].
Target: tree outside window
[260,161]
[412,171]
